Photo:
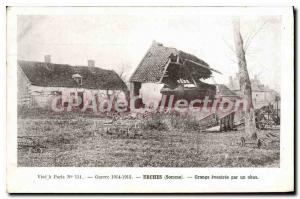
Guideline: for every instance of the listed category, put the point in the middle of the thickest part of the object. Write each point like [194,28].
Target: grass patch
[160,141]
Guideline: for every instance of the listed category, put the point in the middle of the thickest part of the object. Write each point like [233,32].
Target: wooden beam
[191,76]
[165,69]
[204,66]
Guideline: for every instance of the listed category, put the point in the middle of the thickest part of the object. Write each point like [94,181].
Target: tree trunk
[245,84]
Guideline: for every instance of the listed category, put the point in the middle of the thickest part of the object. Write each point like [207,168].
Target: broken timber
[227,121]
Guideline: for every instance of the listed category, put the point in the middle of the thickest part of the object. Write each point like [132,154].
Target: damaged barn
[171,72]
[166,76]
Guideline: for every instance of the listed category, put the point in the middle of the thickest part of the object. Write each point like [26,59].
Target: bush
[155,122]
[184,122]
[163,122]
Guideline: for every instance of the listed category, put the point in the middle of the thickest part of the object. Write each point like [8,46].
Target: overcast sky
[116,41]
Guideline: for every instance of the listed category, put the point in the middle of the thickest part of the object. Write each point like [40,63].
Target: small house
[262,95]
[222,91]
[40,82]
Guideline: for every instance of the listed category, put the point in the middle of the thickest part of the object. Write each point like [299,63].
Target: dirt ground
[90,142]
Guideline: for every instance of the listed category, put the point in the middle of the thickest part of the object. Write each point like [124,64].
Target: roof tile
[60,75]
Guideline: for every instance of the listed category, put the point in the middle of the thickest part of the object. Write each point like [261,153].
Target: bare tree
[245,84]
[122,74]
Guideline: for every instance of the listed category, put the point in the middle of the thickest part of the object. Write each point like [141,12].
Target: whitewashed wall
[43,96]
[23,94]
[150,93]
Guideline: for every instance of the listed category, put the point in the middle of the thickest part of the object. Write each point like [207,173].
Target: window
[77,78]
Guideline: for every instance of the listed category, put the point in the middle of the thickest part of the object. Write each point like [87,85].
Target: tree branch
[250,38]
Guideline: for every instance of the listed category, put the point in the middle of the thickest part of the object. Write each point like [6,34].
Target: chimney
[155,43]
[47,58]
[91,63]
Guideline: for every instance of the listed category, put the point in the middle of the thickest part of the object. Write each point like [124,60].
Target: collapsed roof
[162,62]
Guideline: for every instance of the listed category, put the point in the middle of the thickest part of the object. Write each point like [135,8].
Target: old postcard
[150,99]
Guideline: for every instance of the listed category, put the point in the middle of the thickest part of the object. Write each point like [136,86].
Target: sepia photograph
[106,91]
[150,87]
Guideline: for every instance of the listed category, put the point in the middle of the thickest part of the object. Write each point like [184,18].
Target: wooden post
[232,120]
[226,123]
[221,124]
